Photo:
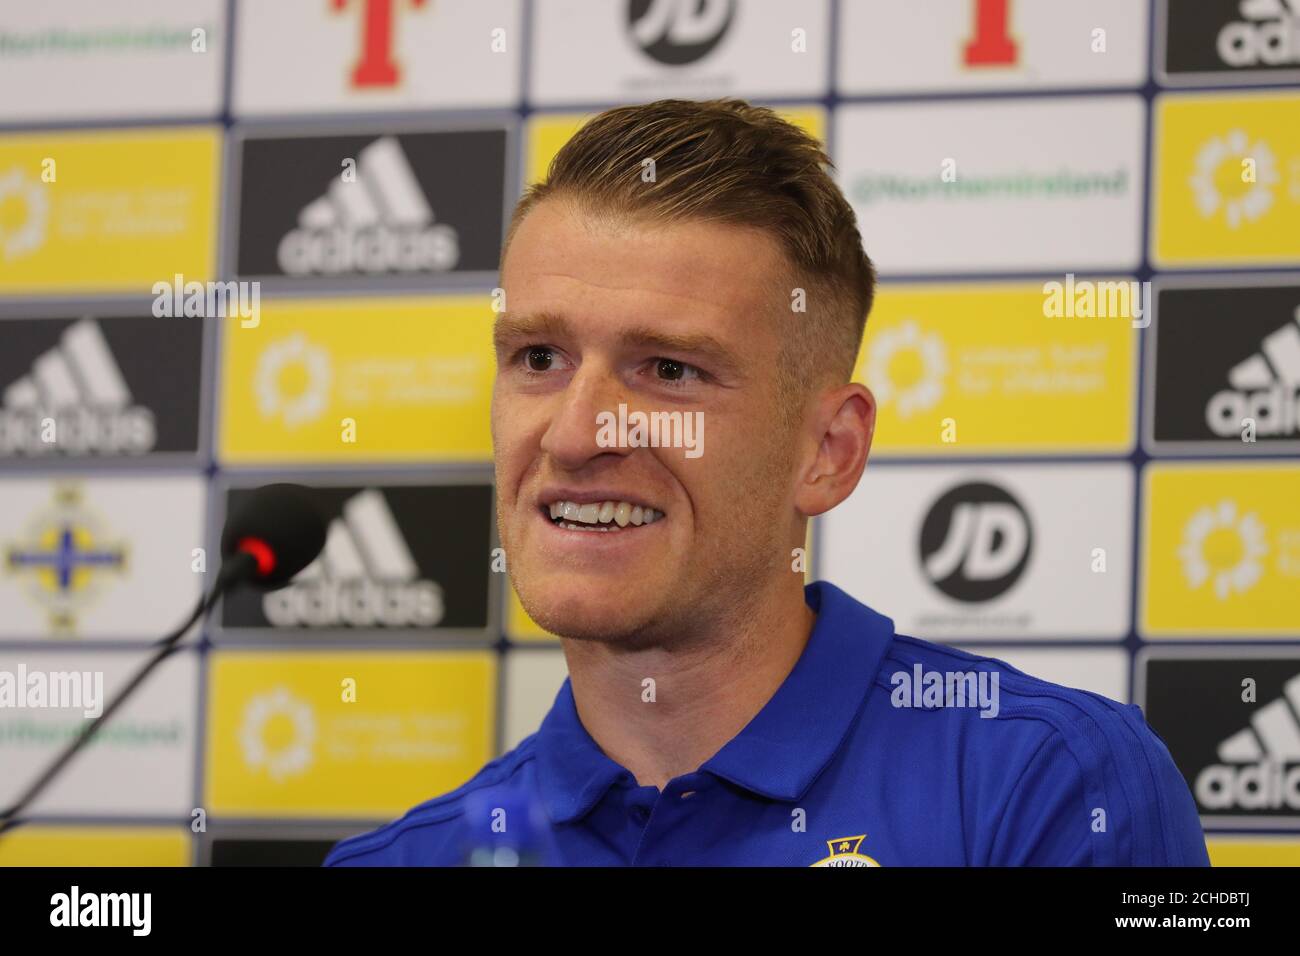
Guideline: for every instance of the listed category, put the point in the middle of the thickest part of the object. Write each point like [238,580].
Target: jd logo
[975,542]
[676,32]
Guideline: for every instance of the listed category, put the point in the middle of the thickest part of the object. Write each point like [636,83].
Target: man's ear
[845,423]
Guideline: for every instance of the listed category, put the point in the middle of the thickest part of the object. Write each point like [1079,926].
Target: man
[696,258]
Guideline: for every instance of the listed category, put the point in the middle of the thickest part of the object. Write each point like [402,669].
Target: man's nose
[571,438]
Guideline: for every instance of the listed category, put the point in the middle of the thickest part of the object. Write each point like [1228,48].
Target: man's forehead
[686,258]
[670,275]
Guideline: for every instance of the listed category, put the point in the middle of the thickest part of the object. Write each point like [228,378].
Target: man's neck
[703,692]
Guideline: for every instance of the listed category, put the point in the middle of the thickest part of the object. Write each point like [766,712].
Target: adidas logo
[1268,34]
[373,220]
[74,400]
[1261,764]
[365,577]
[1265,387]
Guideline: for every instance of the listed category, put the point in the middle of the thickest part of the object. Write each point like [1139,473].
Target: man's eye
[670,370]
[539,359]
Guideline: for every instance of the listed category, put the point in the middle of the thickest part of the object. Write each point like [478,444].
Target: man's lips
[596,510]
[591,518]
[553,493]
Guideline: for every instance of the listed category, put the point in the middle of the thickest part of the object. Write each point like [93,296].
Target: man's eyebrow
[700,344]
[543,326]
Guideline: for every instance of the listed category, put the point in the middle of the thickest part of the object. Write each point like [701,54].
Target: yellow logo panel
[1227,179]
[111,211]
[1251,851]
[547,132]
[993,368]
[1221,551]
[340,380]
[36,845]
[348,734]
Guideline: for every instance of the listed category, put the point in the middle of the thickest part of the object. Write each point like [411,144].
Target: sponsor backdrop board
[246,241]
[403,559]
[396,205]
[970,552]
[929,179]
[415,387]
[1229,721]
[138,766]
[81,60]
[120,388]
[1224,364]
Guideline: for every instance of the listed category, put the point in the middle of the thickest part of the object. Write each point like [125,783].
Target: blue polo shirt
[878,749]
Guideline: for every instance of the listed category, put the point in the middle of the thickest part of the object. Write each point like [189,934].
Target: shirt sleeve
[1100,790]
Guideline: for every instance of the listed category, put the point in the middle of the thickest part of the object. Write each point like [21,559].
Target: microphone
[268,539]
[280,529]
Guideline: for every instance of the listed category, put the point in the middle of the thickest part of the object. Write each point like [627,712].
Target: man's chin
[586,614]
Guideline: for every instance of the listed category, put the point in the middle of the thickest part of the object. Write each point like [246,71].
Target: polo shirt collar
[798,732]
[572,771]
[780,752]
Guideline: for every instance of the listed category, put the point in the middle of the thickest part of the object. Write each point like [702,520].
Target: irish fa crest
[64,557]
[844,852]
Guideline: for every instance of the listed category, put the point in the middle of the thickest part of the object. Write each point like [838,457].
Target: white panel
[303,56]
[95,60]
[148,526]
[888,46]
[1008,185]
[588,51]
[141,762]
[871,546]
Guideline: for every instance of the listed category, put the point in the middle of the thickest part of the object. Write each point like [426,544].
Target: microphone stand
[240,567]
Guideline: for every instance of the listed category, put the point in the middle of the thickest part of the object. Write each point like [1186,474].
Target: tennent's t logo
[376,66]
[992,44]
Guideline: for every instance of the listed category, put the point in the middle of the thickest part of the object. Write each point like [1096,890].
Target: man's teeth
[602,515]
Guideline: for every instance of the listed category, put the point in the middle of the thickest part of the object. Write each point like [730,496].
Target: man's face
[660,318]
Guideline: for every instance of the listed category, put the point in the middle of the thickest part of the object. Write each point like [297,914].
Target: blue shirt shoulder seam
[418,817]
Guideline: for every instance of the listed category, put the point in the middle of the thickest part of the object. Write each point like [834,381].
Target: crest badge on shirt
[844,852]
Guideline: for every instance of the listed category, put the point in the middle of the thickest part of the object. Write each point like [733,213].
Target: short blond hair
[727,161]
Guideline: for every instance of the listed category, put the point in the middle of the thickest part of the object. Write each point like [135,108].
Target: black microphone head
[280,527]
